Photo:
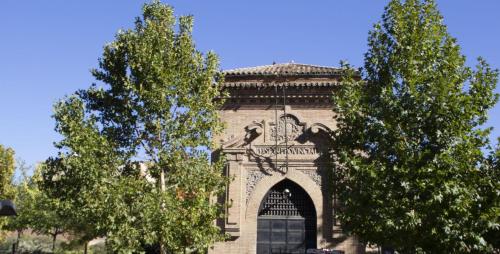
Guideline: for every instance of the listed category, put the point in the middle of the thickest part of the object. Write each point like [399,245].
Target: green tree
[134,161]
[43,211]
[493,190]
[35,210]
[24,201]
[7,167]
[409,139]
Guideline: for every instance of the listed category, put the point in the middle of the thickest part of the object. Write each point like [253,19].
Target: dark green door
[286,221]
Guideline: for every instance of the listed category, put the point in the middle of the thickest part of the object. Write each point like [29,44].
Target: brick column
[234,192]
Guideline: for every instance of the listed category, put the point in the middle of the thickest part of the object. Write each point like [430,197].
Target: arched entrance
[286,221]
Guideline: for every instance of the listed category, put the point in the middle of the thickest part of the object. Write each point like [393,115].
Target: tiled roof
[284,69]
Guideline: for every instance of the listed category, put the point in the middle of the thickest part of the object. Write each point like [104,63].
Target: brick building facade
[276,140]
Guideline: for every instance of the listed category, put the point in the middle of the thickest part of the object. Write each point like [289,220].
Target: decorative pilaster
[234,195]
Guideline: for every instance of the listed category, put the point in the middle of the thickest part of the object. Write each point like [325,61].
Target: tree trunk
[162,189]
[54,238]
[86,247]
[16,247]
[106,245]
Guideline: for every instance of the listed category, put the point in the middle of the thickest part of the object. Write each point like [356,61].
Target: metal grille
[287,199]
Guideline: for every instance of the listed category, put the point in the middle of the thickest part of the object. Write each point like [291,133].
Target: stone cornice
[295,84]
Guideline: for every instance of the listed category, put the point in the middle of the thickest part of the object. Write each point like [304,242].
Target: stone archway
[286,221]
[262,188]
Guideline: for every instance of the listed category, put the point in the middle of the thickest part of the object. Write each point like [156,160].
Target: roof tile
[284,69]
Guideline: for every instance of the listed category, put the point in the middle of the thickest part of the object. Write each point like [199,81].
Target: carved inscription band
[269,150]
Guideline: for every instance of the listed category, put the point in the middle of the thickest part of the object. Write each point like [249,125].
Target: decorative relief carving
[317,127]
[252,131]
[294,128]
[253,178]
[255,126]
[313,174]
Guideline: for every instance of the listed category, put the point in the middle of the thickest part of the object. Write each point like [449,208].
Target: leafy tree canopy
[7,168]
[493,234]
[133,163]
[412,174]
[35,210]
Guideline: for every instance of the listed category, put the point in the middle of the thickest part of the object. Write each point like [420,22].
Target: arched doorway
[286,222]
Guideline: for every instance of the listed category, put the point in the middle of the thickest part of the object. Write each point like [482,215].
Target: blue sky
[48,47]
